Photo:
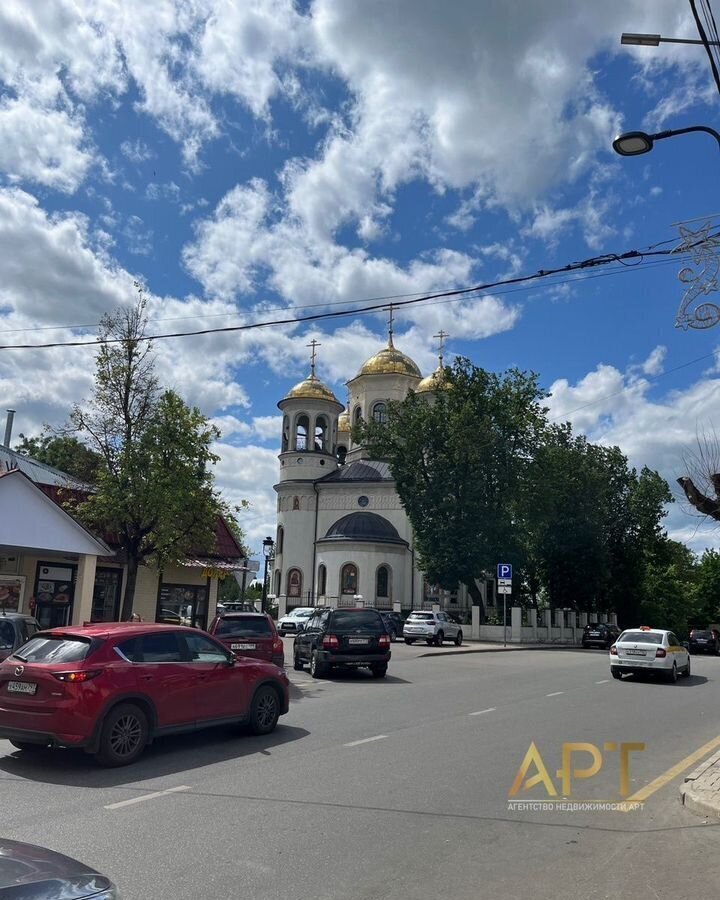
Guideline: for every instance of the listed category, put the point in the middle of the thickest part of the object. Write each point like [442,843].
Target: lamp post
[268,553]
[635,143]
[654,40]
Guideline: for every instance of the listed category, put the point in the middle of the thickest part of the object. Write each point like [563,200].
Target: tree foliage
[155,490]
[63,452]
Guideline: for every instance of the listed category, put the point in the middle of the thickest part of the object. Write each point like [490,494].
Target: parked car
[431,627]
[600,634]
[649,650]
[16,629]
[250,634]
[393,623]
[112,688]
[237,606]
[704,641]
[343,639]
[296,620]
[30,872]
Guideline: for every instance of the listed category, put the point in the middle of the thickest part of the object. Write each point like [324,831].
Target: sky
[247,161]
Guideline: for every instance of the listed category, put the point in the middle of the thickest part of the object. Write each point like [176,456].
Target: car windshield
[53,649]
[243,626]
[702,634]
[351,619]
[7,634]
[640,637]
[301,613]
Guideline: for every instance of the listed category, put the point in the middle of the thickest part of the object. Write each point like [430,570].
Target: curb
[514,649]
[696,801]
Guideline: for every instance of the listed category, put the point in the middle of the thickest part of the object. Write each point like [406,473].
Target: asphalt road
[396,788]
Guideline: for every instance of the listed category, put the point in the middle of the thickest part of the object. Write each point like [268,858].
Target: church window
[301,432]
[349,579]
[285,434]
[277,582]
[296,503]
[280,539]
[322,580]
[294,583]
[379,413]
[321,427]
[382,582]
[357,415]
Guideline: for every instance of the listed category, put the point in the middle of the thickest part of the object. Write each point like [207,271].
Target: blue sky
[247,160]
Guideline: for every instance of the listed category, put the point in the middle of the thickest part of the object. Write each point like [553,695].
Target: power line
[706,44]
[592,262]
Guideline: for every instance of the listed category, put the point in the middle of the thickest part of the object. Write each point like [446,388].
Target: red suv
[112,688]
[249,634]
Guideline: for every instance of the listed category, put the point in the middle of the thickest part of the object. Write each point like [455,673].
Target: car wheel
[317,669]
[264,711]
[379,671]
[297,662]
[673,674]
[686,672]
[439,638]
[616,673]
[409,641]
[28,746]
[123,735]
[458,639]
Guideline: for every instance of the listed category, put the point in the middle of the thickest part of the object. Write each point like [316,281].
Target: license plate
[358,641]
[635,652]
[242,646]
[21,687]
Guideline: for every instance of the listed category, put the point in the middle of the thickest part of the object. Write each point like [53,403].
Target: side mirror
[231,660]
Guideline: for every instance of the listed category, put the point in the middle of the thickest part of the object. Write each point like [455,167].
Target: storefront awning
[215,568]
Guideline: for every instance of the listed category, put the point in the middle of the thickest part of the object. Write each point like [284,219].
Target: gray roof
[362,470]
[37,472]
[363,527]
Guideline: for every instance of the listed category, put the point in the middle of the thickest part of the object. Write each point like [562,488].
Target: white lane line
[480,712]
[378,737]
[604,681]
[121,803]
[555,694]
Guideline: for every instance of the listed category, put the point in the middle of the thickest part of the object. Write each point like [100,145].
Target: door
[220,690]
[167,677]
[106,595]
[304,638]
[54,594]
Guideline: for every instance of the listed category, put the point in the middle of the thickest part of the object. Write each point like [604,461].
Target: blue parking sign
[504,570]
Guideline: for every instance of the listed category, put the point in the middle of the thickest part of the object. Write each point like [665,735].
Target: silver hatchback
[432,627]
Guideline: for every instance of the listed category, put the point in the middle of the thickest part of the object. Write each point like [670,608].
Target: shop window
[382,582]
[321,430]
[322,581]
[294,583]
[106,595]
[302,428]
[349,579]
[379,413]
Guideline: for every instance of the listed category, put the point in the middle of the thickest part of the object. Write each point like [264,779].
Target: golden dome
[390,362]
[344,423]
[433,382]
[311,389]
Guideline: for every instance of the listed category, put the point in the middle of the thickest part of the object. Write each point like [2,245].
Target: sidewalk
[701,791]
[470,646]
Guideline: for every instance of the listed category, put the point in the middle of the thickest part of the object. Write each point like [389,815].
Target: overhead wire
[704,38]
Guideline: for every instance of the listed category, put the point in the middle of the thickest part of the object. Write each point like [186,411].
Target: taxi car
[652,650]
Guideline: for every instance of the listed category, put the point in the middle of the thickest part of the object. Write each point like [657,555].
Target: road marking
[481,711]
[673,772]
[604,681]
[555,694]
[378,737]
[121,803]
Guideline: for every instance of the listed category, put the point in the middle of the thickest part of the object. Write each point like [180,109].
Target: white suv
[432,627]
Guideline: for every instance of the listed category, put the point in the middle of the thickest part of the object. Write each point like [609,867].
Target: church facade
[343,537]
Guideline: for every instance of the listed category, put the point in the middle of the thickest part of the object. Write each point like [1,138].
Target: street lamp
[654,40]
[268,552]
[635,143]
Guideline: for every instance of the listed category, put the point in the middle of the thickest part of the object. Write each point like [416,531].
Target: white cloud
[654,364]
[248,473]
[267,427]
[136,151]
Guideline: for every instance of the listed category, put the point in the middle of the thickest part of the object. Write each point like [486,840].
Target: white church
[343,538]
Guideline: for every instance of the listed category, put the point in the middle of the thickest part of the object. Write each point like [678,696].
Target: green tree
[459,461]
[708,588]
[155,490]
[669,587]
[63,452]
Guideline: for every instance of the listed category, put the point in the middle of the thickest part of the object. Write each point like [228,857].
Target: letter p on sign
[504,570]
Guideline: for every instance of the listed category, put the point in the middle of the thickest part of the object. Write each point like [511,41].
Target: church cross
[441,335]
[314,344]
[390,323]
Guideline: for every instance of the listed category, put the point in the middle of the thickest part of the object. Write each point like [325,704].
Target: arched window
[341,454]
[349,579]
[322,581]
[285,434]
[294,583]
[302,427]
[321,428]
[296,503]
[379,413]
[357,415]
[382,582]
[277,582]
[280,539]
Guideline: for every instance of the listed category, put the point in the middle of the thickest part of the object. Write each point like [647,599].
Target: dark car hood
[28,872]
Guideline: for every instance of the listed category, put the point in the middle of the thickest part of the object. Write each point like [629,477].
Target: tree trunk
[477,600]
[129,597]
